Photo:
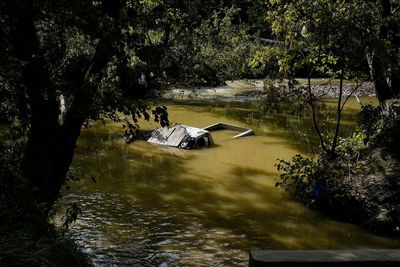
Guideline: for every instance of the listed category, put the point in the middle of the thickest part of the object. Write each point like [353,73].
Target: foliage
[350,39]
[279,96]
[267,59]
[361,183]
[368,120]
[71,215]
[68,62]
[62,64]
[297,177]
[215,51]
[28,248]
[205,42]
[327,38]
[382,127]
[326,183]
[65,64]
[389,133]
[345,40]
[26,237]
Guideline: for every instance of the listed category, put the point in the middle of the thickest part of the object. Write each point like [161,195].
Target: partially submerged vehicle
[224,126]
[188,137]
[181,136]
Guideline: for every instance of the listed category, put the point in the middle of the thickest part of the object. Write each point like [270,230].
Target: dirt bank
[245,90]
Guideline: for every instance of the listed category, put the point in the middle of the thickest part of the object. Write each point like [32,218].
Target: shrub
[284,96]
[323,181]
[382,127]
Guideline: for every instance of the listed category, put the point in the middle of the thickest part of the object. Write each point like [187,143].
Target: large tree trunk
[51,142]
[42,149]
[378,70]
[48,156]
[383,59]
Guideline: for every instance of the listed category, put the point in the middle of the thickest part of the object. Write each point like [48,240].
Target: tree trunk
[42,146]
[47,158]
[50,145]
[384,61]
[382,88]
[314,115]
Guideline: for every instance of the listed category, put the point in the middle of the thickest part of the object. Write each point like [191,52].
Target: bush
[362,182]
[26,236]
[26,248]
[382,127]
[325,182]
[282,96]
[387,134]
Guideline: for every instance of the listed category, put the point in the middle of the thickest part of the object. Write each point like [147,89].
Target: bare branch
[338,116]
[325,85]
[351,93]
[54,72]
[5,33]
[314,116]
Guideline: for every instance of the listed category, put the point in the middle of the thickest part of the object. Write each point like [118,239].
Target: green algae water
[157,206]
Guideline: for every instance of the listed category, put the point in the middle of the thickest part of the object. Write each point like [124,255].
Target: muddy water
[153,206]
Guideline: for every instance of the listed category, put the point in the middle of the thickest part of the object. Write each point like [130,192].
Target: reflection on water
[153,206]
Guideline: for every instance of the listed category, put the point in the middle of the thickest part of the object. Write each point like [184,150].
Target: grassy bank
[28,239]
[24,247]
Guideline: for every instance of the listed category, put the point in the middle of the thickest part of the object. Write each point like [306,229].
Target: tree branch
[314,116]
[351,93]
[5,33]
[338,116]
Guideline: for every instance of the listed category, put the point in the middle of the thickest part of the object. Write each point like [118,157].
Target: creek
[157,206]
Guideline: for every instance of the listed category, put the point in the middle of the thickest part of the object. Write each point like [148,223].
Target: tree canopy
[353,39]
[87,56]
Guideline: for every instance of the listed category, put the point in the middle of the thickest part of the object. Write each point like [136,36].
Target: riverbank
[380,195]
[361,182]
[253,89]
[370,198]
[26,248]
[27,239]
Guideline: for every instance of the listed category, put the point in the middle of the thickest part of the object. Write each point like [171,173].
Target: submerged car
[188,137]
[181,136]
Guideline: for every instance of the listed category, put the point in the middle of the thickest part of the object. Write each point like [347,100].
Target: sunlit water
[153,206]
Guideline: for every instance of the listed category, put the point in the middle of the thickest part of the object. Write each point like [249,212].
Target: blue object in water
[318,189]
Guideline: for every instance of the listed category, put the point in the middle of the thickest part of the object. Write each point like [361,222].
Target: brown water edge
[153,206]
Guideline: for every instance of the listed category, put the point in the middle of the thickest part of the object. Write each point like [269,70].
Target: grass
[26,236]
[25,248]
[27,239]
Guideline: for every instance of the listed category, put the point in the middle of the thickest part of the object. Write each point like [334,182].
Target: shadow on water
[153,206]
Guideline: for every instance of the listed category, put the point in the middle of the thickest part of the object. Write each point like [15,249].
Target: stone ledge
[324,258]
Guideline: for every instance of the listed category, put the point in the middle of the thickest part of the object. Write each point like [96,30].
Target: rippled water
[153,206]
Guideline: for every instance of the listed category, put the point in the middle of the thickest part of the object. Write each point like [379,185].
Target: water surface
[153,206]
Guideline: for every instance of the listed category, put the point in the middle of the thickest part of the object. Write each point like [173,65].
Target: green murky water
[153,206]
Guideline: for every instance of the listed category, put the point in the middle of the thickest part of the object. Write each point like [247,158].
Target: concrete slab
[325,258]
